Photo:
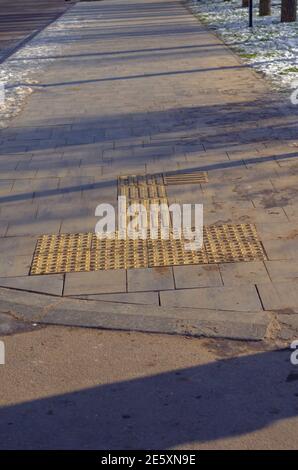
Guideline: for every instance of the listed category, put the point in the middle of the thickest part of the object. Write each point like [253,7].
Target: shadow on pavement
[222,399]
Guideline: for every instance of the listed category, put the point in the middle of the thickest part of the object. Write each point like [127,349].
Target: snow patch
[270,47]
[18,73]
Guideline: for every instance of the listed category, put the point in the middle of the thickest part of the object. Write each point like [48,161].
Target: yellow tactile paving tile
[227,243]
[186,178]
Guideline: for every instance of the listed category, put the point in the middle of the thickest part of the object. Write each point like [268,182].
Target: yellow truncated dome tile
[227,243]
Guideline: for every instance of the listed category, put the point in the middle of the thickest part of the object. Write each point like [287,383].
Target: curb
[50,310]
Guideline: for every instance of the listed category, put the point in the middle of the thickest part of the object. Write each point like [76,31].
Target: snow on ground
[271,47]
[18,73]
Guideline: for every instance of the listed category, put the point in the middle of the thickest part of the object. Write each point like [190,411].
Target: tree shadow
[223,399]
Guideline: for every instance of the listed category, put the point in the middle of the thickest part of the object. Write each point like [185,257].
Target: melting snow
[270,47]
[18,73]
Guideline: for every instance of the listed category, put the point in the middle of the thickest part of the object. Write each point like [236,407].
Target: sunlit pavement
[144,88]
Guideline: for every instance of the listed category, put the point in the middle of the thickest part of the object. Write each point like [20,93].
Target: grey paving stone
[79,224]
[104,191]
[242,299]
[5,186]
[34,227]
[282,270]
[96,282]
[145,298]
[267,232]
[3,227]
[150,279]
[50,284]
[243,273]
[71,184]
[291,209]
[197,276]
[281,249]
[14,265]
[17,245]
[19,211]
[35,184]
[185,194]
[281,296]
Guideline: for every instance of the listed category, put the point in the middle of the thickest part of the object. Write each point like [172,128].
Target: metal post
[251,21]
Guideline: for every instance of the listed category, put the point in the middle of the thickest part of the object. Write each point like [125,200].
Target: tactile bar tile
[156,178]
[141,186]
[85,252]
[147,203]
[195,177]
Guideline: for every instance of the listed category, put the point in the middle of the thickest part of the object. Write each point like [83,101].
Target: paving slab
[52,284]
[251,272]
[145,298]
[96,282]
[148,279]
[14,265]
[197,276]
[3,228]
[79,224]
[34,227]
[282,270]
[185,194]
[242,299]
[281,249]
[280,296]
[286,231]
[17,245]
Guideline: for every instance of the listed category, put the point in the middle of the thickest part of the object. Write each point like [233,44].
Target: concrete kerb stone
[45,309]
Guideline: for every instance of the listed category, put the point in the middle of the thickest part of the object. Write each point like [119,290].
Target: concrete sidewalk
[142,87]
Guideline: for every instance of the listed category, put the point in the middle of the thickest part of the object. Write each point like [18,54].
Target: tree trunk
[288,11]
[265,8]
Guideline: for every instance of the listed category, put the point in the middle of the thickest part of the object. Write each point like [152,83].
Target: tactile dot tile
[63,242]
[64,253]
[57,262]
[103,254]
[117,253]
[173,252]
[230,243]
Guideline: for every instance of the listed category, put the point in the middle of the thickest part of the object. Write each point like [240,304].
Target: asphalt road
[89,389]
